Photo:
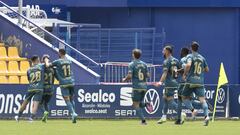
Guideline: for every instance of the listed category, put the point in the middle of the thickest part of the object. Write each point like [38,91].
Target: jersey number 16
[197,68]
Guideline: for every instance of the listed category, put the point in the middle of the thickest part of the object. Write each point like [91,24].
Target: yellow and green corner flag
[222,79]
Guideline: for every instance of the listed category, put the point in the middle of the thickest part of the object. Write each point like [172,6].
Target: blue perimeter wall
[216,29]
[213,23]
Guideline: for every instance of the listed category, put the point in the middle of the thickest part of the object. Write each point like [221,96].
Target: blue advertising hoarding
[234,95]
[100,101]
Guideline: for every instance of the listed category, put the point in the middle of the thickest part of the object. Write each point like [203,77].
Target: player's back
[197,69]
[36,77]
[171,64]
[48,78]
[64,72]
[139,74]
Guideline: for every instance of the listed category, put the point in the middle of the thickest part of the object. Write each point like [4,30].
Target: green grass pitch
[117,127]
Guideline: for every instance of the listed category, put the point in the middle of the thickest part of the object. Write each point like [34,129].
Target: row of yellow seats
[12,67]
[11,55]
[13,80]
[17,80]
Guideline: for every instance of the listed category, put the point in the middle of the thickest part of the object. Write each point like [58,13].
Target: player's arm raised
[46,60]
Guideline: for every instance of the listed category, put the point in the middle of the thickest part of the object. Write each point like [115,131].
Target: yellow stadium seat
[1,44]
[13,80]
[3,53]
[13,54]
[3,80]
[13,68]
[24,80]
[3,68]
[24,66]
[56,81]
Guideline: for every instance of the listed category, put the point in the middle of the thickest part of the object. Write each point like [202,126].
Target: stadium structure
[99,37]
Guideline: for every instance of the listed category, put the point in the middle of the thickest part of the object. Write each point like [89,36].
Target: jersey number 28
[35,77]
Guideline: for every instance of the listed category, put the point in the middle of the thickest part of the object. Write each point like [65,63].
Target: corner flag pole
[222,79]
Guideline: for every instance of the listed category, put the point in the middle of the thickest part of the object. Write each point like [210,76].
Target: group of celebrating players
[41,85]
[186,75]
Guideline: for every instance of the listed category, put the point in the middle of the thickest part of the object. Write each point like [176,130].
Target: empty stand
[3,53]
[13,68]
[24,66]
[13,54]
[3,68]
[13,80]
[24,80]
[3,80]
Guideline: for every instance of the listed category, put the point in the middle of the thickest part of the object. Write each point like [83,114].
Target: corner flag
[222,79]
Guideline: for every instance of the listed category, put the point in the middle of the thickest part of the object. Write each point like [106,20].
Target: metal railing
[107,44]
[54,40]
[115,71]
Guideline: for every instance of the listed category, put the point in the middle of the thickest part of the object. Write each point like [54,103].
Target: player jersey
[196,72]
[182,65]
[139,72]
[48,78]
[64,72]
[36,77]
[171,65]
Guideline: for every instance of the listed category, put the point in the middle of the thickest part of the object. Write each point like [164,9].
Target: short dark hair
[137,53]
[62,51]
[169,48]
[184,52]
[34,58]
[45,56]
[194,46]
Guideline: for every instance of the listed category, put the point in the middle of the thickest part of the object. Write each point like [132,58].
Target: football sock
[205,108]
[179,109]
[70,107]
[165,107]
[140,113]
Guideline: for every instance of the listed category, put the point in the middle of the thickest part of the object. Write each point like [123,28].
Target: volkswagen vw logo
[221,96]
[152,97]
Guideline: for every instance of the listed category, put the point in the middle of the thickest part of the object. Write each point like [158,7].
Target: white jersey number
[140,75]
